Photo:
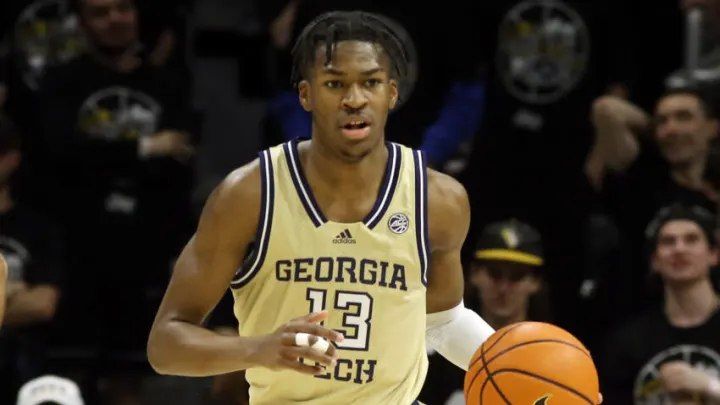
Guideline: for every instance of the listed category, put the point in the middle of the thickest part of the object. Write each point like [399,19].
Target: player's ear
[394,93]
[304,95]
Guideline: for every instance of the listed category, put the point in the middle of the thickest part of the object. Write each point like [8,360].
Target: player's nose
[354,98]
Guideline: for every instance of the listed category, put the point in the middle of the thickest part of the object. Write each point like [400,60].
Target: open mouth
[353,125]
[356,129]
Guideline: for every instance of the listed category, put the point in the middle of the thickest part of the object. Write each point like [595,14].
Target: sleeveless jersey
[369,275]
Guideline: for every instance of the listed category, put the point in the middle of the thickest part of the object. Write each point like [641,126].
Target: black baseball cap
[510,241]
[679,211]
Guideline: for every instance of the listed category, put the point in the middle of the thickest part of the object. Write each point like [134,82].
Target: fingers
[288,339]
[314,329]
[300,367]
[309,354]
[313,317]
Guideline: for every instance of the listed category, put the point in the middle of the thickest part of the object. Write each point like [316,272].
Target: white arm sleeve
[456,334]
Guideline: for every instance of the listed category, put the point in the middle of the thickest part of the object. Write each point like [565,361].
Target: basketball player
[353,240]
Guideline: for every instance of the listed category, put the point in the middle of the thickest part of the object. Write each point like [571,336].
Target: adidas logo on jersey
[344,237]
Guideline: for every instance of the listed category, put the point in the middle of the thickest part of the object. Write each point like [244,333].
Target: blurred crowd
[585,131]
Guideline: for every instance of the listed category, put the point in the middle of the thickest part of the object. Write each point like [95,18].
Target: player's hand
[679,377]
[278,351]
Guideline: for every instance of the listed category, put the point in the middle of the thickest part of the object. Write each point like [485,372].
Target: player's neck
[344,177]
[691,304]
[6,202]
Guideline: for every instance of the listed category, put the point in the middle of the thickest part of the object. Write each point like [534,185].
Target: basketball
[531,363]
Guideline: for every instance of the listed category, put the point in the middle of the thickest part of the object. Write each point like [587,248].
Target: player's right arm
[179,344]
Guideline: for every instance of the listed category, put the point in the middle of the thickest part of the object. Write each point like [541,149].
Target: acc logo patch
[398,223]
[545,400]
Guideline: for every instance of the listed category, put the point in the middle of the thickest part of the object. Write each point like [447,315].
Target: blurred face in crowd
[683,129]
[505,288]
[9,162]
[683,253]
[350,97]
[111,25]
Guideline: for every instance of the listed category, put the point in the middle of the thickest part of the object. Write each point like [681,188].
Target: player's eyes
[333,84]
[372,82]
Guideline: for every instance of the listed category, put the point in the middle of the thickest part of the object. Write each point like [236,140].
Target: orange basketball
[531,363]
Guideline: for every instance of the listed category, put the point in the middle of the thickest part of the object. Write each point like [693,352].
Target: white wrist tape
[303,339]
[456,334]
[321,345]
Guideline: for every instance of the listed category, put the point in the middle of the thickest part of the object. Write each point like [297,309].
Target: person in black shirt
[33,248]
[117,129]
[672,353]
[640,163]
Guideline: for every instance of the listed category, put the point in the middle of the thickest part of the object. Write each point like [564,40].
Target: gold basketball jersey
[369,275]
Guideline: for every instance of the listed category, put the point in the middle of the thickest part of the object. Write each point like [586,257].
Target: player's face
[683,253]
[350,97]
[505,288]
[110,24]
[683,130]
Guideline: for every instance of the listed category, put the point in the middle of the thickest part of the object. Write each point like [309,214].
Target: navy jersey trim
[387,187]
[421,200]
[262,236]
[301,184]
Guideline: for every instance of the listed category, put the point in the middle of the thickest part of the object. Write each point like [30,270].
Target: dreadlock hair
[335,26]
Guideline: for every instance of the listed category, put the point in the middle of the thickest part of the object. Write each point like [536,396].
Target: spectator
[34,35]
[35,258]
[505,287]
[117,129]
[672,353]
[546,61]
[638,174]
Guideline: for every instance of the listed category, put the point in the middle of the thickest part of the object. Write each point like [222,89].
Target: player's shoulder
[448,210]
[445,193]
[240,189]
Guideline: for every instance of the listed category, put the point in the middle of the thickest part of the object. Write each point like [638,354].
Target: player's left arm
[452,330]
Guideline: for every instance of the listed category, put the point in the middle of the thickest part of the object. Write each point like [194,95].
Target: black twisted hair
[335,26]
